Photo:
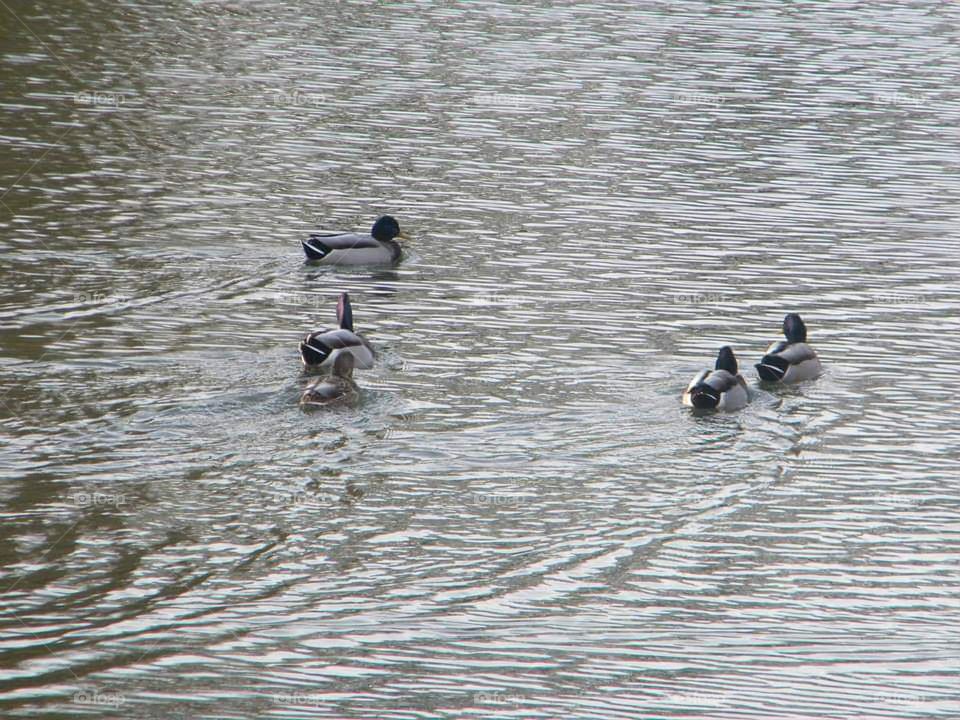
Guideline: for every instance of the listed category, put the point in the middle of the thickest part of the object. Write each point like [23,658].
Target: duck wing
[718,389]
[722,381]
[317,246]
[732,389]
[796,353]
[321,348]
[782,357]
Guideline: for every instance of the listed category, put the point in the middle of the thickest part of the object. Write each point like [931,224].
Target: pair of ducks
[339,350]
[724,388]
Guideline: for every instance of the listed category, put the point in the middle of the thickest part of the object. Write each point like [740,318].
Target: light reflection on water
[518,517]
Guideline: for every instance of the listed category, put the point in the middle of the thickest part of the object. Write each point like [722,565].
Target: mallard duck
[322,348]
[722,388]
[793,360]
[334,388]
[377,248]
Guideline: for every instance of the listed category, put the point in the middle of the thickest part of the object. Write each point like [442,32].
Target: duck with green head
[722,388]
[320,349]
[377,248]
[791,360]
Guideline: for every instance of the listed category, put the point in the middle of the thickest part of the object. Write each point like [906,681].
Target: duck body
[320,350]
[336,388]
[377,248]
[791,360]
[722,388]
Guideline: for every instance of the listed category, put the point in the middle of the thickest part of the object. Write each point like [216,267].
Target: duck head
[385,228]
[345,312]
[343,366]
[726,360]
[794,329]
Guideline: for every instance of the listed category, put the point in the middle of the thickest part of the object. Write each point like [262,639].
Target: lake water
[518,519]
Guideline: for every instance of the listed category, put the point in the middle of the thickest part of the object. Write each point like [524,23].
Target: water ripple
[517,519]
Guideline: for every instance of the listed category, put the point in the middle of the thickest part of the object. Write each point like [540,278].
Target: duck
[377,248]
[338,387]
[722,388]
[321,349]
[791,360]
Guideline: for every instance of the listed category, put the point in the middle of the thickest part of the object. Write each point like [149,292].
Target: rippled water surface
[517,519]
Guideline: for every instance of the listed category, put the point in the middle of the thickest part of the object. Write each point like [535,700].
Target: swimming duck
[722,388]
[793,360]
[334,388]
[322,348]
[377,248]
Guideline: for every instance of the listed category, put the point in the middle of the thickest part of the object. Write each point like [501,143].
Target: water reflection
[518,517]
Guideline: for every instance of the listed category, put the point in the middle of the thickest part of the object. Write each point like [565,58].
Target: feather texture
[376,248]
[722,388]
[321,349]
[791,360]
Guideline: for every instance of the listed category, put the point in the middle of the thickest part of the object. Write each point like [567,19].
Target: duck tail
[314,249]
[772,368]
[345,312]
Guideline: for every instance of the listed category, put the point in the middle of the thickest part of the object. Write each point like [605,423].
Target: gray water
[518,519]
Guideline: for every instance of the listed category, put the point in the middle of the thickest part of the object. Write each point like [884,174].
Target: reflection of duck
[322,348]
[722,388]
[377,248]
[334,388]
[793,360]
